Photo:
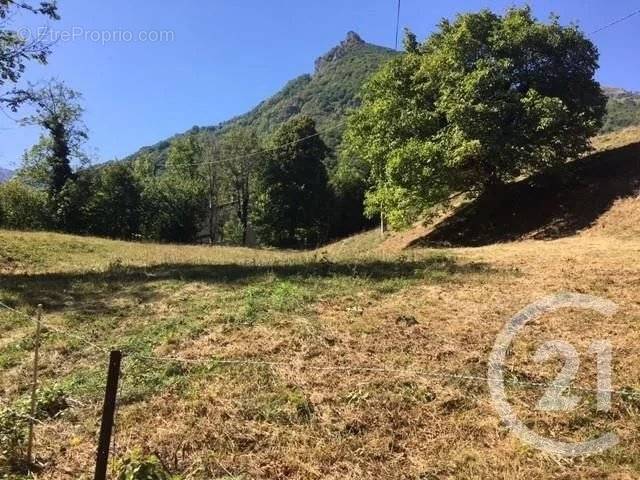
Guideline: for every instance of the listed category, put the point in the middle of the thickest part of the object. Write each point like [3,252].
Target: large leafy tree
[17,50]
[292,198]
[485,99]
[114,208]
[240,156]
[173,203]
[59,113]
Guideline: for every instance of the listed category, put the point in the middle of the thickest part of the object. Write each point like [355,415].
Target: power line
[398,24]
[615,22]
[266,150]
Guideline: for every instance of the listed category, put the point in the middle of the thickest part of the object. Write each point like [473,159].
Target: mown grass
[155,309]
[301,312]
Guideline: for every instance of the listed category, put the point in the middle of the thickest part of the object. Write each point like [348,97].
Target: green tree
[349,181]
[70,205]
[172,211]
[485,99]
[23,207]
[35,169]
[59,113]
[17,50]
[241,155]
[293,197]
[185,156]
[173,202]
[115,204]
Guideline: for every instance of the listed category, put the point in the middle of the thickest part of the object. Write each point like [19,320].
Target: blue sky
[221,57]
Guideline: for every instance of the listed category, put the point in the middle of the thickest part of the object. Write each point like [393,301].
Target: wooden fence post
[108,411]
[34,386]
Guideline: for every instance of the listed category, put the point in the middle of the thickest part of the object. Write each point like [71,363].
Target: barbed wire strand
[59,330]
[361,369]
[370,369]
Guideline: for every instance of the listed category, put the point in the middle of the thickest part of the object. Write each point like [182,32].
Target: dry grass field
[359,360]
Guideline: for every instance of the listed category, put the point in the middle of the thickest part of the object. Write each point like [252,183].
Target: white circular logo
[554,398]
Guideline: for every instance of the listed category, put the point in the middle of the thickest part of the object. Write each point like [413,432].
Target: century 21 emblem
[556,397]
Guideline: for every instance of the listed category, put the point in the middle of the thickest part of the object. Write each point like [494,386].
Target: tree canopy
[485,99]
[17,49]
[59,113]
[293,196]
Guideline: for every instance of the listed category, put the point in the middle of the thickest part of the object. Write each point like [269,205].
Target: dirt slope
[549,205]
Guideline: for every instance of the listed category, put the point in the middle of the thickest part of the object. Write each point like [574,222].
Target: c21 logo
[556,397]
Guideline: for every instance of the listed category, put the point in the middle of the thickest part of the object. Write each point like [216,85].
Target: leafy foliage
[349,182]
[114,207]
[241,155]
[13,437]
[50,403]
[137,466]
[293,196]
[171,210]
[16,51]
[59,113]
[23,206]
[623,109]
[486,98]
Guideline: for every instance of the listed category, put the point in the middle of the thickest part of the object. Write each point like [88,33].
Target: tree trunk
[212,221]
[244,212]
[493,184]
[213,208]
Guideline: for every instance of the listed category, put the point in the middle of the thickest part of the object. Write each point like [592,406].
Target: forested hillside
[325,95]
[226,184]
[623,109]
[334,86]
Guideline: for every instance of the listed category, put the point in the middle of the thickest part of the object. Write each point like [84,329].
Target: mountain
[5,174]
[325,95]
[623,109]
[333,88]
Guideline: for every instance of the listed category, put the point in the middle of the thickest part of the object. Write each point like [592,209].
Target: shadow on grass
[546,206]
[94,289]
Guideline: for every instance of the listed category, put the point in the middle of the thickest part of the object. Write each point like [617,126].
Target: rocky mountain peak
[352,40]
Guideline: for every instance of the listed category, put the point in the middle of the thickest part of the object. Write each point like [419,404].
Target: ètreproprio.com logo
[77,34]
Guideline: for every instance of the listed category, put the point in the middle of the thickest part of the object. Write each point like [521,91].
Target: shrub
[23,207]
[14,422]
[137,466]
[13,438]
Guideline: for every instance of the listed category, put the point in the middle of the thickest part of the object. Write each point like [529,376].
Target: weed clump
[14,423]
[137,466]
